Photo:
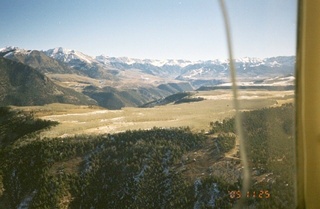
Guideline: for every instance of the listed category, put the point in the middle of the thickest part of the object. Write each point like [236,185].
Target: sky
[154,29]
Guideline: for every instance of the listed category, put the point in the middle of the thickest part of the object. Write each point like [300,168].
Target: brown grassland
[218,105]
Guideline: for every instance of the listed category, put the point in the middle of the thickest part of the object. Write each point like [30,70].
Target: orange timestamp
[262,194]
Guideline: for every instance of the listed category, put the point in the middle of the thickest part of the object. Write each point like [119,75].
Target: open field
[218,104]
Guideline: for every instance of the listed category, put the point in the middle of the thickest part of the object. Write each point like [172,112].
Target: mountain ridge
[22,85]
[112,80]
[186,70]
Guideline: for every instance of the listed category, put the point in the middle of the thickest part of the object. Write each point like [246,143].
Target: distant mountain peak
[15,49]
[67,55]
[60,50]
[8,48]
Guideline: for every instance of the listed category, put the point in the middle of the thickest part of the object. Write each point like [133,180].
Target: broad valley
[78,131]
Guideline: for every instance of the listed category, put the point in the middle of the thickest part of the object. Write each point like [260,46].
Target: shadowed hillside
[22,85]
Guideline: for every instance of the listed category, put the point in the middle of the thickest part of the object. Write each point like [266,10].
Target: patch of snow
[8,48]
[27,200]
[8,54]
[13,50]
[197,183]
[214,192]
[141,173]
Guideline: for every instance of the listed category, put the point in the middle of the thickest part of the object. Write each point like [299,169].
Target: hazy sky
[179,29]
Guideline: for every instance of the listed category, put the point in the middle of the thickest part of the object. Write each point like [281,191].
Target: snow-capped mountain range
[116,82]
[184,70]
[67,55]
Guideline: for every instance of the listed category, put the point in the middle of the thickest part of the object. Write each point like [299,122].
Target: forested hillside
[16,124]
[143,169]
[270,144]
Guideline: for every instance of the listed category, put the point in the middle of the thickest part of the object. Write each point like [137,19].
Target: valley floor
[218,105]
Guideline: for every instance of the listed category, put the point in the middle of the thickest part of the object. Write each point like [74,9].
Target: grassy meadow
[218,105]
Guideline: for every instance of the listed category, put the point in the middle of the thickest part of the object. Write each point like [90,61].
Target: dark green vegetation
[16,124]
[188,100]
[225,142]
[22,85]
[127,170]
[270,146]
[177,98]
[140,169]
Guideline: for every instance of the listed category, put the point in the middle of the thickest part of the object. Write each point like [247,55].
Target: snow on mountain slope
[247,68]
[83,63]
[154,62]
[37,60]
[10,50]
[275,81]
[177,69]
[246,61]
[67,55]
